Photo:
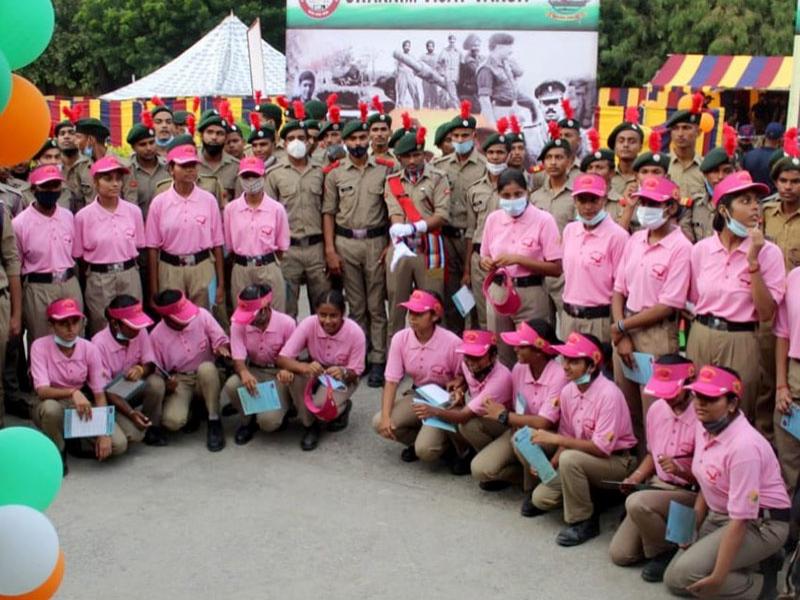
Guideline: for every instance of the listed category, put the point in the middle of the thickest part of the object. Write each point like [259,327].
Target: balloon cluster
[706,123]
[25,31]
[31,560]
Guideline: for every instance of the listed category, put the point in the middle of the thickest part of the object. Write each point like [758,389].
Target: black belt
[185,260]
[587,312]
[257,366]
[254,261]
[309,240]
[528,281]
[502,103]
[453,232]
[112,267]
[724,325]
[476,247]
[623,452]
[361,234]
[59,277]
[775,514]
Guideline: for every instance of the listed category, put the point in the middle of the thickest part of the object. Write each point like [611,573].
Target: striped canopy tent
[699,71]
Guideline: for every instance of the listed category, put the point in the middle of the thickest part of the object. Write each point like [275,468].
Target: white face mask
[650,217]
[515,206]
[253,185]
[296,149]
[496,169]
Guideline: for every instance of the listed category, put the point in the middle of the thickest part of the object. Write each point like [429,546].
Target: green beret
[776,156]
[48,145]
[352,127]
[61,125]
[714,159]
[787,163]
[326,126]
[683,116]
[377,117]
[312,124]
[624,126]
[559,143]
[161,108]
[602,154]
[650,159]
[292,126]
[138,133]
[399,133]
[179,117]
[469,122]
[497,138]
[212,117]
[569,124]
[271,111]
[441,132]
[265,132]
[93,127]
[316,109]
[408,144]
[181,140]
[235,128]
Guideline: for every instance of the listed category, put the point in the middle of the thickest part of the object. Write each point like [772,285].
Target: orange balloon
[706,122]
[685,103]
[24,124]
[49,588]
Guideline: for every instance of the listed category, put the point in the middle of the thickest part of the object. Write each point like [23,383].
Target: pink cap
[63,308]
[328,410]
[740,181]
[182,310]
[44,174]
[578,346]
[512,301]
[667,380]
[476,342]
[107,164]
[657,189]
[421,302]
[589,183]
[525,335]
[133,316]
[183,155]
[714,382]
[246,310]
[251,164]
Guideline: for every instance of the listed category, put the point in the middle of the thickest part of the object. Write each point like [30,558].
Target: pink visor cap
[510,305]
[657,189]
[476,342]
[45,174]
[246,310]
[715,382]
[133,316]
[108,164]
[328,410]
[591,184]
[667,380]
[251,164]
[578,346]
[737,182]
[182,311]
[183,155]
[422,302]
[64,308]
[525,335]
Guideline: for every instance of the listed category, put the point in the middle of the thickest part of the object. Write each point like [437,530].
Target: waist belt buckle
[718,323]
[188,260]
[303,242]
[60,276]
[253,262]
[116,268]
[359,234]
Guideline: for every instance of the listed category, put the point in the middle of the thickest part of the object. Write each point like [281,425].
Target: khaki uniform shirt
[355,195]
[689,179]
[144,182]
[697,221]
[560,204]
[300,191]
[619,182]
[226,172]
[13,199]
[461,175]
[784,231]
[9,252]
[79,182]
[64,200]
[430,194]
[482,199]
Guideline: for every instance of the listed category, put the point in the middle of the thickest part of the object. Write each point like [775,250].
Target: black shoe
[409,454]
[578,533]
[285,422]
[18,408]
[375,379]
[310,437]
[74,448]
[528,508]
[215,438]
[229,410]
[653,571]
[494,486]
[194,420]
[770,567]
[460,464]
[64,463]
[245,432]
[155,436]
[342,420]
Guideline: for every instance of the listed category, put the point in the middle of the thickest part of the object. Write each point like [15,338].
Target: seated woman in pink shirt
[671,426]
[742,510]
[537,380]
[67,370]
[337,348]
[594,440]
[258,332]
[483,377]
[426,353]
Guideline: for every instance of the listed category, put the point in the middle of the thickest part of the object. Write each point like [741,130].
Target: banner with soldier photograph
[426,56]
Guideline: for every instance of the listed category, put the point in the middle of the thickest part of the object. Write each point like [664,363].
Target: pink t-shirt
[721,281]
[183,351]
[536,396]
[346,348]
[591,258]
[435,361]
[737,471]
[651,274]
[50,367]
[261,347]
[117,359]
[181,225]
[254,232]
[534,234]
[103,237]
[787,322]
[671,435]
[44,243]
[600,414]
[497,386]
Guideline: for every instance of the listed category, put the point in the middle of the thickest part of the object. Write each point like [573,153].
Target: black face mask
[718,426]
[69,152]
[484,372]
[358,151]
[47,199]
[213,149]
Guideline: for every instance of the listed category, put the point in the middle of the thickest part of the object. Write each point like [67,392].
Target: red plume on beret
[255,120]
[729,140]
[654,142]
[632,115]
[790,143]
[697,103]
[406,120]
[502,125]
[190,123]
[52,129]
[72,114]
[195,103]
[362,108]
[594,140]
[77,112]
[147,119]
[514,122]
[569,112]
[67,112]
[282,102]
[157,101]
[331,99]
[299,110]
[554,130]
[334,114]
[377,104]
[421,136]
[466,109]
[257,96]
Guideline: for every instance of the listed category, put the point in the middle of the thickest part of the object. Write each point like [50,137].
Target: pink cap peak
[183,155]
[667,380]
[182,310]
[589,183]
[63,308]
[251,164]
[328,410]
[715,382]
[525,335]
[107,164]
[421,301]
[511,303]
[45,174]
[578,346]
[476,342]
[246,310]
[133,316]
[657,189]
[740,181]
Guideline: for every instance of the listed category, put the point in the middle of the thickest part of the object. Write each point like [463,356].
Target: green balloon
[25,30]
[5,83]
[30,468]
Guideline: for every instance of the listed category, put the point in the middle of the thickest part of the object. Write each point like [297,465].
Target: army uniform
[226,174]
[145,183]
[79,181]
[9,267]
[689,178]
[482,199]
[620,182]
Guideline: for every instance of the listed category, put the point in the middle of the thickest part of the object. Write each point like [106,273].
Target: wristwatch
[502,418]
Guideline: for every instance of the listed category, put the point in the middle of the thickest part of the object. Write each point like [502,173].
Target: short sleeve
[676,287]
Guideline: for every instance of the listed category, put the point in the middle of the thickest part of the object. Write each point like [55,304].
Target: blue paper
[534,455]
[521,405]
[791,422]
[435,421]
[643,370]
[680,523]
[212,291]
[334,383]
[266,400]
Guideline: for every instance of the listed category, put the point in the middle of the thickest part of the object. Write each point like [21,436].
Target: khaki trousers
[304,263]
[737,351]
[409,274]
[600,328]
[48,415]
[455,251]
[431,443]
[242,276]
[151,398]
[298,388]
[577,472]
[477,276]
[761,540]
[641,533]
[5,317]
[554,286]
[365,289]
[205,383]
[101,288]
[534,306]
[495,460]
[406,423]
[787,445]
[268,420]
[192,280]
[36,297]
[529,482]
[765,401]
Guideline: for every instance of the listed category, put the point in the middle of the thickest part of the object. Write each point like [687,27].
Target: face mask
[296,149]
[213,149]
[496,169]
[514,207]
[65,343]
[121,337]
[88,151]
[253,185]
[709,189]
[650,217]
[483,373]
[594,220]
[163,143]
[357,151]
[47,199]
[584,379]
[463,147]
[736,227]
[718,426]
[335,151]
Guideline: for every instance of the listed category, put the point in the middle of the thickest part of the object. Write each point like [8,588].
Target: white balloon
[28,549]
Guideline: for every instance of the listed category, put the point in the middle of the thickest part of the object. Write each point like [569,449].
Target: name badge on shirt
[521,404]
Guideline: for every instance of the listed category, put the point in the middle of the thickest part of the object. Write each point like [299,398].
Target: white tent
[217,65]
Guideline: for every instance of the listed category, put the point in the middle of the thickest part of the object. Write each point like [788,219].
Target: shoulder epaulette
[331,167]
[385,162]
[687,202]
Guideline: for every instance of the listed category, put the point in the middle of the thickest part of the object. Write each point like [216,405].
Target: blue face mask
[598,218]
[709,189]
[64,343]
[163,143]
[737,228]
[514,207]
[121,337]
[583,379]
[464,147]
[88,151]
